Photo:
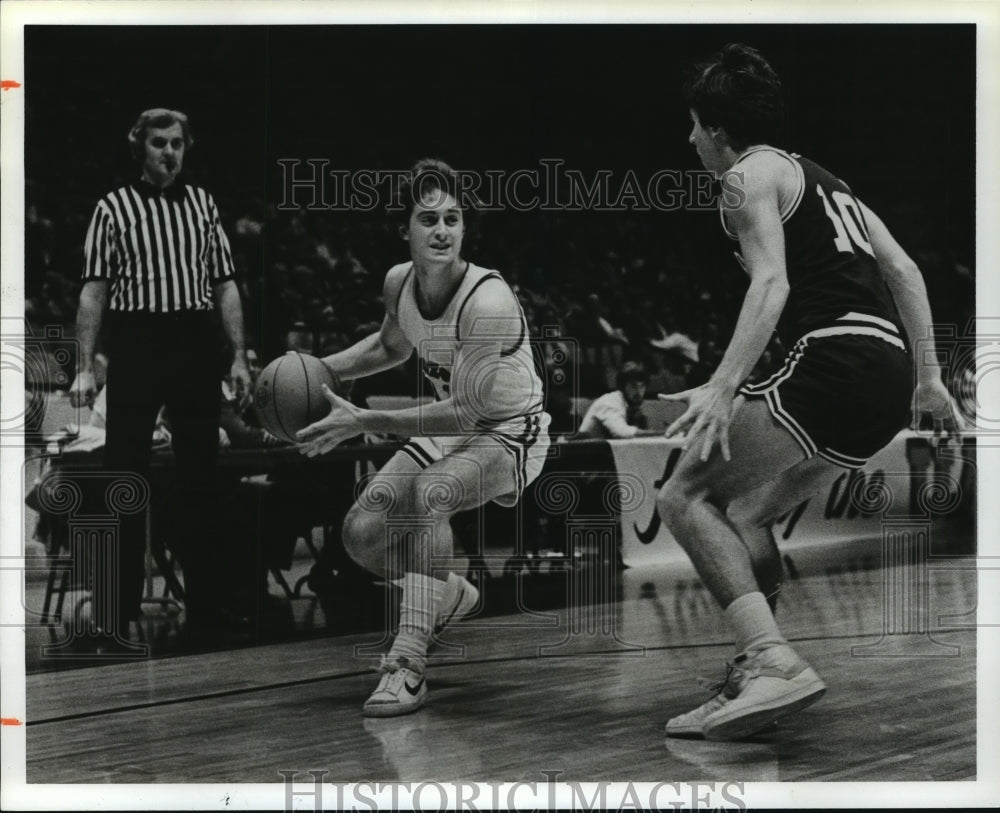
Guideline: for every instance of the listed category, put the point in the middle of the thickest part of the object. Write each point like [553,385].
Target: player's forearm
[910,294]
[367,357]
[758,317]
[227,300]
[906,284]
[435,418]
[89,315]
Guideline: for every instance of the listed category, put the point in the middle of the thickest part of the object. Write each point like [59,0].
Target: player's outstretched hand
[932,398]
[706,419]
[342,422]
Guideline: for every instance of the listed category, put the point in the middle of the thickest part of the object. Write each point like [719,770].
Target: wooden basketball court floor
[582,691]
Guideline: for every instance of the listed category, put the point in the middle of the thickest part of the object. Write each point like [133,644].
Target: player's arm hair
[906,284]
[227,299]
[89,315]
[386,348]
[758,224]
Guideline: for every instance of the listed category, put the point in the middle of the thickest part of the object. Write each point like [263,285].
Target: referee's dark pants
[172,360]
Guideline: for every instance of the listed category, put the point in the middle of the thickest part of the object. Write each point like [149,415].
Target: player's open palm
[342,422]
[707,417]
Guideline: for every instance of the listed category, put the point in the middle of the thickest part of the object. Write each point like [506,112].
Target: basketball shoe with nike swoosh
[400,691]
[761,686]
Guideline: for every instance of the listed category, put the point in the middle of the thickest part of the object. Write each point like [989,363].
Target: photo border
[14,14]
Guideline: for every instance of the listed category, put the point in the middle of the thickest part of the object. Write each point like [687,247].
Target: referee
[157,259]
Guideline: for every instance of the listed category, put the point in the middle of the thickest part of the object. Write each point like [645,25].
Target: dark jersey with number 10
[833,277]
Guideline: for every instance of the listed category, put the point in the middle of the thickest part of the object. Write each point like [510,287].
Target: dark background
[889,108]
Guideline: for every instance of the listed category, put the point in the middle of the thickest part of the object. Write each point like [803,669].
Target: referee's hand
[83,390]
[239,381]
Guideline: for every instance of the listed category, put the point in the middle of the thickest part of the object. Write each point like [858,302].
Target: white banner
[904,479]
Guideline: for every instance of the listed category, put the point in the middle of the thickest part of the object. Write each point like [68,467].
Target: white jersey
[517,388]
[607,417]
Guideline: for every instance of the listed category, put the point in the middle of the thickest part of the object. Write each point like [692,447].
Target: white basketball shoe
[400,691]
[760,687]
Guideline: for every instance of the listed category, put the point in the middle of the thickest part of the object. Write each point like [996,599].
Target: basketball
[289,396]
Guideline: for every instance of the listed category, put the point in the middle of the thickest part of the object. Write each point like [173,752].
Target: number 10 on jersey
[847,220]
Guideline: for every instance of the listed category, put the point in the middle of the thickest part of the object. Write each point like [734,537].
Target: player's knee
[672,502]
[361,530]
[747,513]
[679,495]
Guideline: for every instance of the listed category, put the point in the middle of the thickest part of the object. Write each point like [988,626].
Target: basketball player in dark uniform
[850,305]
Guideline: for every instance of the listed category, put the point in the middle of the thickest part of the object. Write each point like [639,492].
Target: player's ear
[404,232]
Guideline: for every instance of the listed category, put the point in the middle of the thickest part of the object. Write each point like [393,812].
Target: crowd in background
[597,289]
[604,287]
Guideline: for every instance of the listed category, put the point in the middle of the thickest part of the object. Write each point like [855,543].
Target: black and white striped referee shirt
[162,251]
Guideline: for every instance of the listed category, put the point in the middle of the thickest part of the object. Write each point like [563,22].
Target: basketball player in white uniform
[483,439]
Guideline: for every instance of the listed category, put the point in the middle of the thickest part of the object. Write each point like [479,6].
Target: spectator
[618,414]
[668,374]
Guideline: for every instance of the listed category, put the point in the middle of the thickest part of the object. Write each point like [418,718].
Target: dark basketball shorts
[842,393]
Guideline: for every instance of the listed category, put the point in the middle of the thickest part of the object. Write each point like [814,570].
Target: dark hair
[631,371]
[737,90]
[158,117]
[435,176]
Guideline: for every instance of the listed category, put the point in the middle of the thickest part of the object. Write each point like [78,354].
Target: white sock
[421,597]
[753,622]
